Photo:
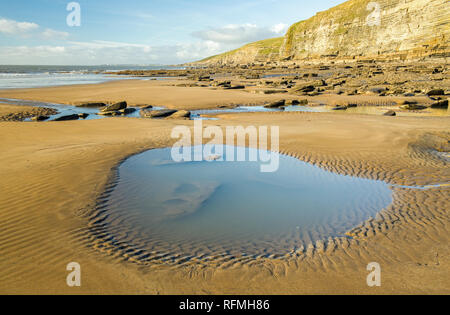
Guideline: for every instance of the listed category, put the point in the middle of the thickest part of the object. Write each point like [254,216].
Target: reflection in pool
[215,208]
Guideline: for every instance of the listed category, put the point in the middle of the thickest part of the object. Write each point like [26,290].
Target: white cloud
[107,52]
[211,42]
[52,34]
[240,34]
[16,28]
[279,28]
[11,27]
[199,50]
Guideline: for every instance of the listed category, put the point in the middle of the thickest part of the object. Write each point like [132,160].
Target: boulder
[40,118]
[272,91]
[440,104]
[305,89]
[378,90]
[413,107]
[91,105]
[340,107]
[115,107]
[390,113]
[405,102]
[276,104]
[204,78]
[157,113]
[181,114]
[127,111]
[297,102]
[83,115]
[67,117]
[235,87]
[436,92]
[224,83]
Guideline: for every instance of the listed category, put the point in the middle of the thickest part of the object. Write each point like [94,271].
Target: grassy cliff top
[264,47]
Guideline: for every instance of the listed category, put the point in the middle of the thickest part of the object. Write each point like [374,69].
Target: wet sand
[164,93]
[54,175]
[10,112]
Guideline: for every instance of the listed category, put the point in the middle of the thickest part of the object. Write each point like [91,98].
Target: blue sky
[141,31]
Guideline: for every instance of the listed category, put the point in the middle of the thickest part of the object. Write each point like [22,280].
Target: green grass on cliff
[265,48]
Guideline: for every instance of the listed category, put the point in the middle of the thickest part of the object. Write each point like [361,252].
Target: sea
[32,76]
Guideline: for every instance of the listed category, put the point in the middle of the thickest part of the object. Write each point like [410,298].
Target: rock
[303,102]
[341,107]
[352,105]
[390,113]
[224,83]
[235,87]
[378,90]
[436,92]
[297,102]
[40,118]
[440,104]
[91,105]
[83,115]
[226,106]
[180,114]
[413,107]
[272,91]
[158,113]
[405,102]
[307,89]
[304,88]
[67,117]
[205,78]
[276,104]
[127,111]
[115,107]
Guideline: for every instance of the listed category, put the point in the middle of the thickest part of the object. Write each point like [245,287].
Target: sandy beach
[54,174]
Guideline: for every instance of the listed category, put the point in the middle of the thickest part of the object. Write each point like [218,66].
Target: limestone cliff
[357,28]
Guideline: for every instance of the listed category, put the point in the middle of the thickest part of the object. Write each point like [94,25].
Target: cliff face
[405,29]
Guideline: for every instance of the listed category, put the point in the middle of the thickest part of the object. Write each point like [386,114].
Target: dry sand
[53,174]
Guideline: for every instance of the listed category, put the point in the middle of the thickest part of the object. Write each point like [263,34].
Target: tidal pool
[64,110]
[216,208]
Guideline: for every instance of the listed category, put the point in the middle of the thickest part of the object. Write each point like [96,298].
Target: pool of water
[216,208]
[208,114]
[365,110]
[203,114]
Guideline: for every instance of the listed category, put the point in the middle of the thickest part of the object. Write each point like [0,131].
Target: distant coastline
[33,76]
